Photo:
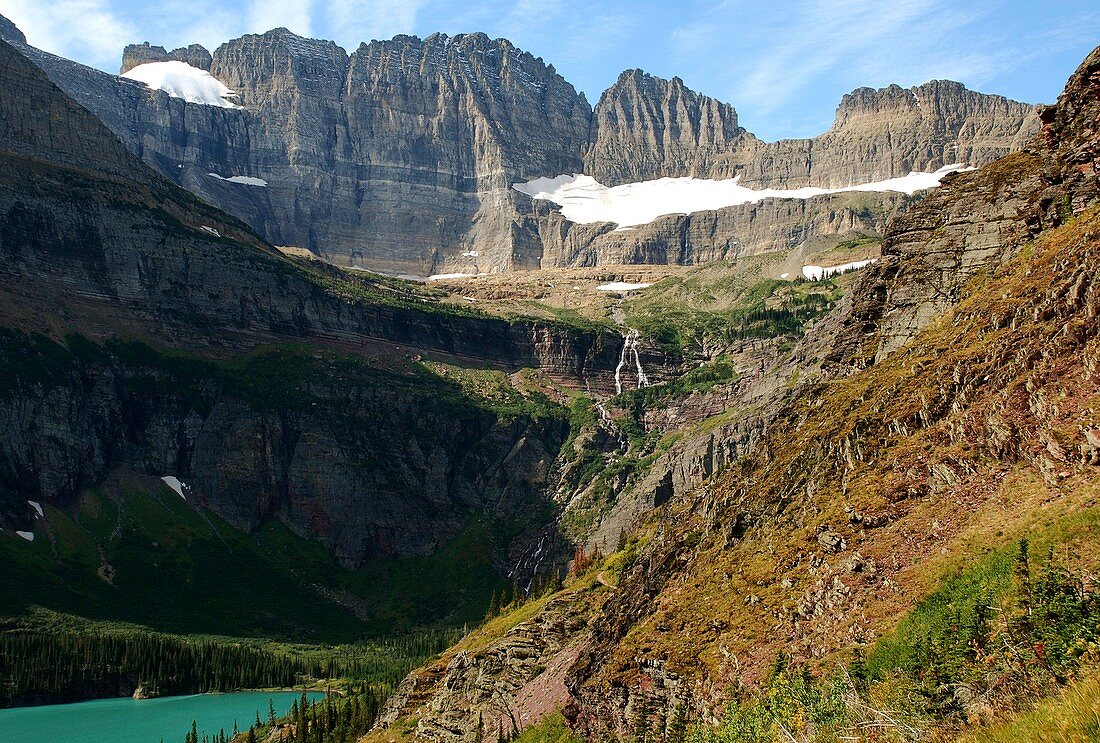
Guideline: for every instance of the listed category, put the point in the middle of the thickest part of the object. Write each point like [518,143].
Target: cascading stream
[630,346]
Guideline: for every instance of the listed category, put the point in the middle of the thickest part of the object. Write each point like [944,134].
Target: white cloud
[355,21]
[297,15]
[82,29]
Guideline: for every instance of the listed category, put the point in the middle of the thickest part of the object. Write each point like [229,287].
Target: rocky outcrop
[133,55]
[496,685]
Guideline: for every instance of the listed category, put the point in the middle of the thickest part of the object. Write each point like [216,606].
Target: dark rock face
[368,467]
[400,157]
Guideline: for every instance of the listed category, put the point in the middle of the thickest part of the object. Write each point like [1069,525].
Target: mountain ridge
[400,156]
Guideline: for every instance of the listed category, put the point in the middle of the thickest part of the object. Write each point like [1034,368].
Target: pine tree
[677,726]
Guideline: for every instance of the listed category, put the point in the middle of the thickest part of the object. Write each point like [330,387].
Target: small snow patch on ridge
[244,180]
[621,286]
[445,276]
[181,80]
[182,489]
[28,535]
[816,273]
[37,507]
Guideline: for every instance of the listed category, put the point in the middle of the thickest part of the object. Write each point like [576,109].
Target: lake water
[140,721]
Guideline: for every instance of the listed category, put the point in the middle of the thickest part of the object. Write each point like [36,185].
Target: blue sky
[783,64]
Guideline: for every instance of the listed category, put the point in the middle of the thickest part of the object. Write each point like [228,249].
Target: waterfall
[630,346]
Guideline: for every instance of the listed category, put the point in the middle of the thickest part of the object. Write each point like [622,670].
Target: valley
[408,380]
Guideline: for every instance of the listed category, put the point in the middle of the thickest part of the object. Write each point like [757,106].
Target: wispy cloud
[355,21]
[766,59]
[297,15]
[83,29]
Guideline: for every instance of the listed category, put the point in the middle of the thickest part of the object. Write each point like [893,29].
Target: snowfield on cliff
[181,80]
[585,200]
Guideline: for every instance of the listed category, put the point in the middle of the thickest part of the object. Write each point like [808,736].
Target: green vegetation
[1073,715]
[700,379]
[1006,630]
[792,705]
[147,556]
[552,729]
[686,313]
[1028,622]
[52,658]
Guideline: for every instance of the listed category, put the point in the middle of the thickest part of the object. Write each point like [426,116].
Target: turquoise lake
[140,721]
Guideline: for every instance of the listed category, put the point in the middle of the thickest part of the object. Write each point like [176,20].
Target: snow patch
[181,80]
[621,286]
[585,200]
[470,254]
[445,276]
[37,507]
[181,488]
[211,230]
[816,273]
[244,180]
[28,535]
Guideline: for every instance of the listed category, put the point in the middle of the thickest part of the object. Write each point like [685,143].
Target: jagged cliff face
[891,131]
[401,155]
[645,127]
[195,55]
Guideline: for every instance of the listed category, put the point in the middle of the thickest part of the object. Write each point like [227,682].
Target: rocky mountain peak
[646,127]
[10,32]
[264,67]
[873,102]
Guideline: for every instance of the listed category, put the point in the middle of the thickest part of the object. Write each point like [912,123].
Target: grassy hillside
[902,493]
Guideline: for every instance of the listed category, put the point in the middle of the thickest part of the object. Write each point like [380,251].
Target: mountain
[401,156]
[834,473]
[147,335]
[867,533]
